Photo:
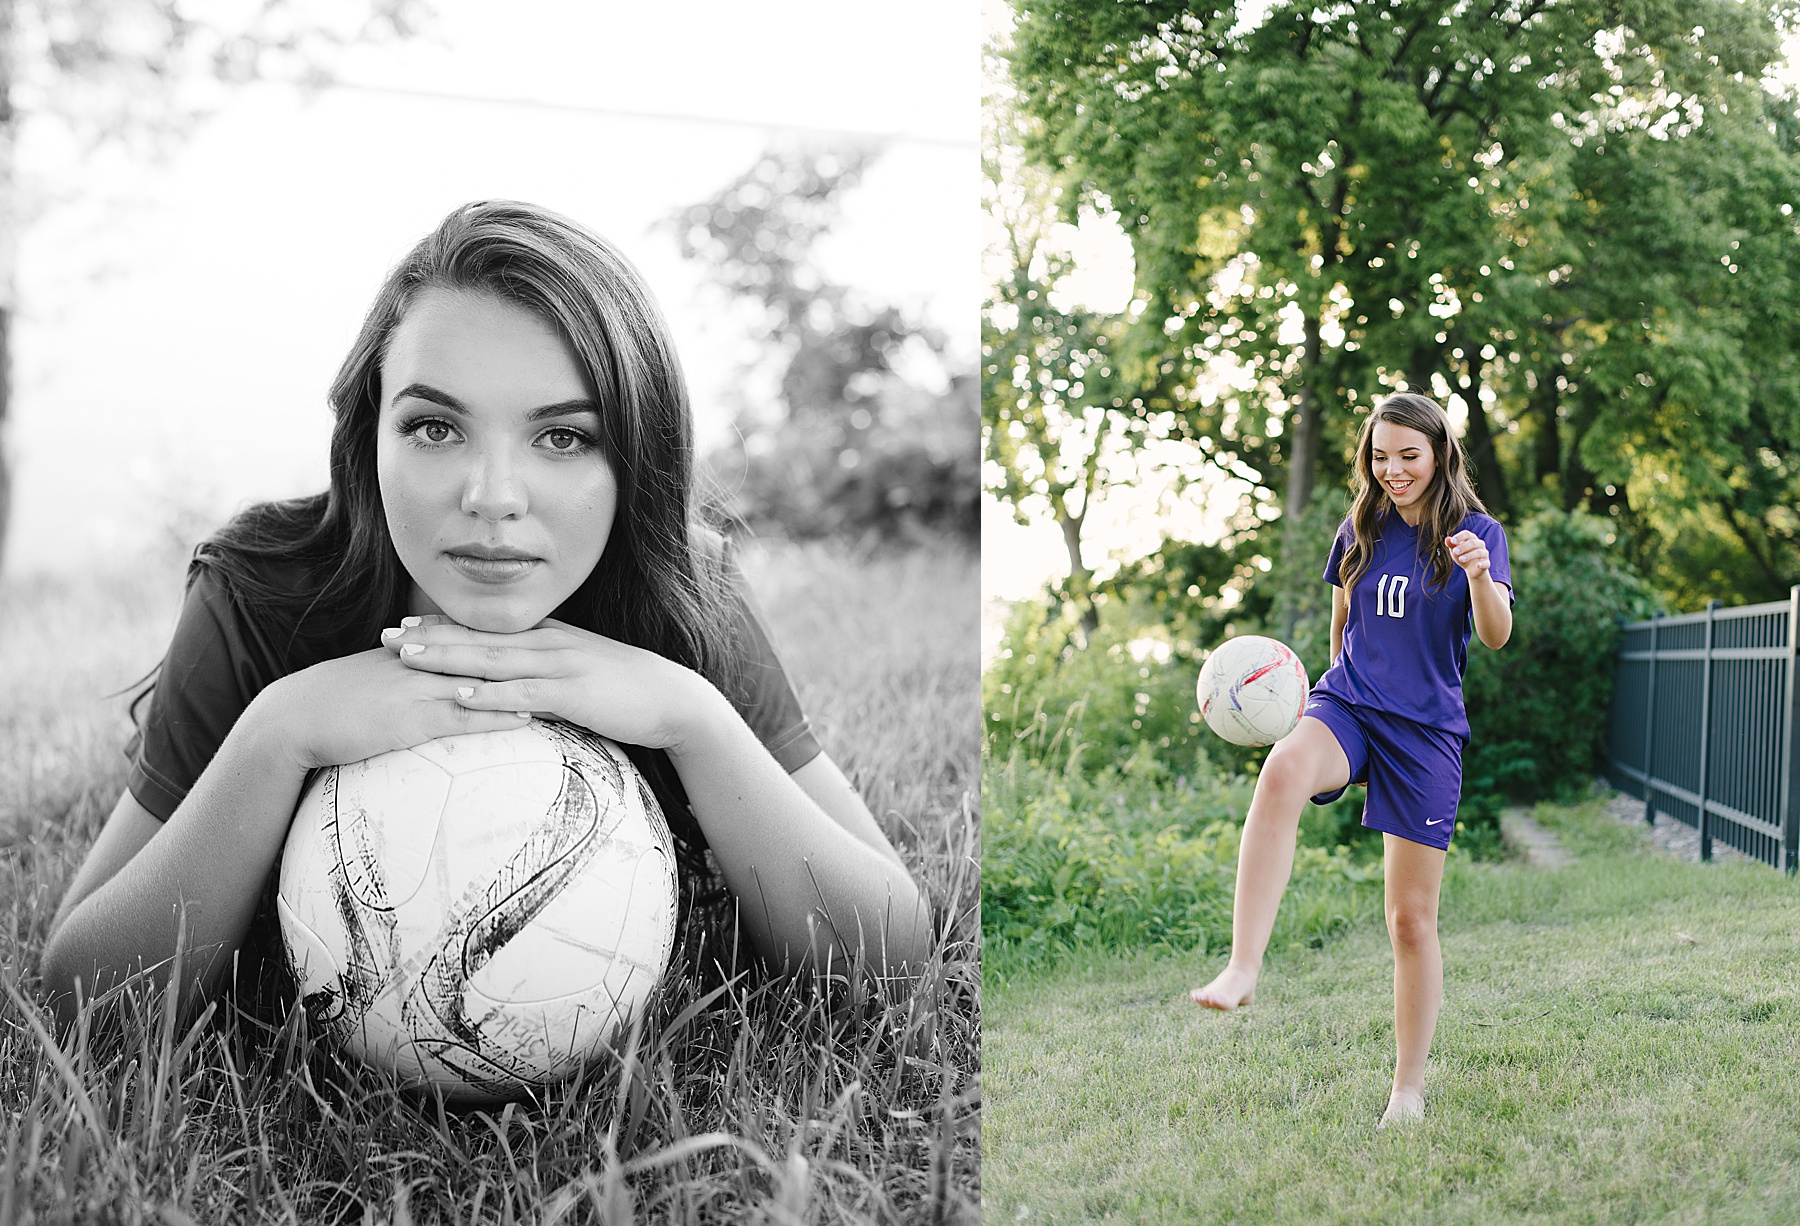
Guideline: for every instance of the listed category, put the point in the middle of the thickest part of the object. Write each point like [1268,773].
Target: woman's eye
[429,431]
[566,440]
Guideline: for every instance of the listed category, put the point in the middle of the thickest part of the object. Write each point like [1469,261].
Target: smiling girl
[1416,565]
[511,529]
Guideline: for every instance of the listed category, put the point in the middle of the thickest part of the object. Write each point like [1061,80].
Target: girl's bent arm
[201,874]
[1340,614]
[815,879]
[198,875]
[1492,610]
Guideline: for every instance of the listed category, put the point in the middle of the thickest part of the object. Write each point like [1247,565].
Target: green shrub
[1129,690]
[1538,709]
[1131,859]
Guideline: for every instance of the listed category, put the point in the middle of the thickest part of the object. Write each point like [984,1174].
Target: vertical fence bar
[1706,665]
[1789,825]
[1650,728]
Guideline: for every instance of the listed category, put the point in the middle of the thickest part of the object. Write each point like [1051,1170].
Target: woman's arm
[815,879]
[201,873]
[1490,605]
[1340,614]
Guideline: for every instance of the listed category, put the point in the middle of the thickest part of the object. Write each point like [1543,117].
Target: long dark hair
[320,573]
[1447,500]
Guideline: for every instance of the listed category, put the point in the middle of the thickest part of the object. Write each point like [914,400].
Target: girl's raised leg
[1413,874]
[1307,761]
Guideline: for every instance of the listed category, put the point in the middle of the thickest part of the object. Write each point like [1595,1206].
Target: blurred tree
[131,72]
[1543,211]
[871,430]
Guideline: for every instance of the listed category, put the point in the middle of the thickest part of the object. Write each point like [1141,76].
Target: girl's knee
[1412,925]
[1286,772]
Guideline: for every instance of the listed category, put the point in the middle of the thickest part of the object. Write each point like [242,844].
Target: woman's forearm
[1492,611]
[199,876]
[808,889]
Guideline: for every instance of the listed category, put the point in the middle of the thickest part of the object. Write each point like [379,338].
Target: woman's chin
[495,616]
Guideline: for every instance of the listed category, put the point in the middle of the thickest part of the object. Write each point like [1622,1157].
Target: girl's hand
[1469,552]
[355,707]
[558,671]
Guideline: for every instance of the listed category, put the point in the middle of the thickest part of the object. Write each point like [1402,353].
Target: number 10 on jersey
[1390,596]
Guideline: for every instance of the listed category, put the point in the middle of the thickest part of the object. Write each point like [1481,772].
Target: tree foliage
[1574,220]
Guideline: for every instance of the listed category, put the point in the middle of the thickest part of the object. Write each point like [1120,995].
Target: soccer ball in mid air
[480,914]
[1252,690]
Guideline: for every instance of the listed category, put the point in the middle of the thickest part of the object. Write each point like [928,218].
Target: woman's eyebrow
[562,408]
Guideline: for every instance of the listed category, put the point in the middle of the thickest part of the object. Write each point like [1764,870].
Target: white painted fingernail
[409,621]
[465,691]
[411,649]
[523,714]
[392,632]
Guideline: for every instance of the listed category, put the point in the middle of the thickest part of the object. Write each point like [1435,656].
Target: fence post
[1650,727]
[1790,825]
[1706,729]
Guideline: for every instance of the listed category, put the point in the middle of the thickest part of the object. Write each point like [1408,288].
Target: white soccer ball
[1252,690]
[479,914]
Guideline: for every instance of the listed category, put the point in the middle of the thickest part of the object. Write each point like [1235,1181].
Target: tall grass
[739,1100]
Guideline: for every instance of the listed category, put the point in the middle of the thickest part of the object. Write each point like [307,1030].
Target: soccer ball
[480,914]
[1252,690]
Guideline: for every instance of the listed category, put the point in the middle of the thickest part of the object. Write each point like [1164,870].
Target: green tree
[1524,205]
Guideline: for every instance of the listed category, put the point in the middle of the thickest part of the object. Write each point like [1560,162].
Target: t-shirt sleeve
[1339,543]
[1499,563]
[211,672]
[766,697]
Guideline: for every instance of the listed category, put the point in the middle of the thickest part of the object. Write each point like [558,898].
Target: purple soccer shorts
[1414,773]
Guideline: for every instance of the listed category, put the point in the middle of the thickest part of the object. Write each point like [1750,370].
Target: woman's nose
[493,488]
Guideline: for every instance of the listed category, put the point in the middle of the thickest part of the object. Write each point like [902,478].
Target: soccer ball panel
[622,916]
[318,977]
[385,860]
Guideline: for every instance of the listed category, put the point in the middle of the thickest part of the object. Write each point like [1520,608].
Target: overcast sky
[180,322]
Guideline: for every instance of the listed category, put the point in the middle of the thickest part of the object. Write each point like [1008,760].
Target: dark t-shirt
[1405,645]
[220,659]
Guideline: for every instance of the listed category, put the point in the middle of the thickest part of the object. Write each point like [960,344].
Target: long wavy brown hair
[1448,499]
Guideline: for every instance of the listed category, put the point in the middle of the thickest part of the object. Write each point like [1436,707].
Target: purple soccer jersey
[1405,645]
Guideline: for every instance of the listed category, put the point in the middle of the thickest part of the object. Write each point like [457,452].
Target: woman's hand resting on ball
[557,671]
[357,706]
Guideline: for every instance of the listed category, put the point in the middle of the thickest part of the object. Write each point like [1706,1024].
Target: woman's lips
[492,570]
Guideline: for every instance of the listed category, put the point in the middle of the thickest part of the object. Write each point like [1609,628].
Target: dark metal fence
[1703,725]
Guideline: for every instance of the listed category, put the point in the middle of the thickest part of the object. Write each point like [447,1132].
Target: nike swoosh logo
[1439,822]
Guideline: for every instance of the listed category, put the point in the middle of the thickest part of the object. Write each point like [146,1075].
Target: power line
[715,121]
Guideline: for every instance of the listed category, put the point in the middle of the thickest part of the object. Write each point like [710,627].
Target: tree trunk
[1303,455]
[1081,579]
[1490,481]
[1547,451]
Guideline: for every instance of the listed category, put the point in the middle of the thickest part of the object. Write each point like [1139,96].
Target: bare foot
[1232,988]
[1404,1107]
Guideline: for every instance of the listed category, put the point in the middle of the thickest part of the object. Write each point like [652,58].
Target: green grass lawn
[1592,1063]
[770,1102]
